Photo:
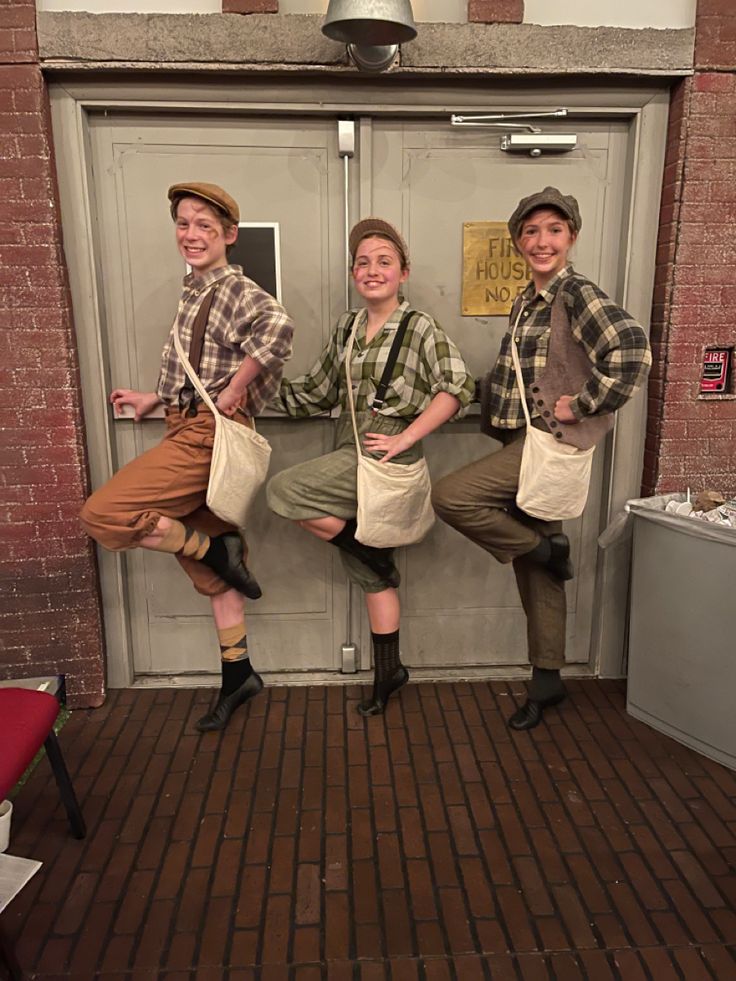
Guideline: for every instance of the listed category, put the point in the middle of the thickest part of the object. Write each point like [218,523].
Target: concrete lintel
[229,41]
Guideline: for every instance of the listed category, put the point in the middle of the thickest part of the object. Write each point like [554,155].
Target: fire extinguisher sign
[716,367]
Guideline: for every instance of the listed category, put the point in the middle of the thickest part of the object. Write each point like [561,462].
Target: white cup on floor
[6,812]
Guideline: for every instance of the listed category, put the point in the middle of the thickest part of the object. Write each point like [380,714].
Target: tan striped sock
[233,642]
[180,539]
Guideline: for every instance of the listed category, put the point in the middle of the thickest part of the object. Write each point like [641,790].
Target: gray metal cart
[682,641]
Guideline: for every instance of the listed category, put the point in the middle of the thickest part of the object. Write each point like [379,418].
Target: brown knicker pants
[479,501]
[169,480]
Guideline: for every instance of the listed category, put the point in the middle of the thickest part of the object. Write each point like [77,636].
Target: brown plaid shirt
[244,321]
[615,343]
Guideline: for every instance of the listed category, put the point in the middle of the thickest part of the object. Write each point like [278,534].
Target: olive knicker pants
[479,501]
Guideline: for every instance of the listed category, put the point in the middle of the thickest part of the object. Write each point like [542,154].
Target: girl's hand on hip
[563,412]
[390,446]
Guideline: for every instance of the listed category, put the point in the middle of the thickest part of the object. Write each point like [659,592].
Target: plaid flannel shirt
[615,343]
[428,363]
[244,321]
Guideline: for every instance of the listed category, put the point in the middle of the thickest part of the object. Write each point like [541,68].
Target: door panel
[460,607]
[288,172]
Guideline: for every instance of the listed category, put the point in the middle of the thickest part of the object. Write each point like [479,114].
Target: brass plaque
[493,271]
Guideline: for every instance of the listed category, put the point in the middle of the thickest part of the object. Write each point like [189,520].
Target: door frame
[74,98]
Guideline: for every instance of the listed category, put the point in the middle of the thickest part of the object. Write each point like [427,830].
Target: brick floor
[429,845]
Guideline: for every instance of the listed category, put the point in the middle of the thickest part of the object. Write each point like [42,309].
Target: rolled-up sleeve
[267,327]
[446,368]
[617,347]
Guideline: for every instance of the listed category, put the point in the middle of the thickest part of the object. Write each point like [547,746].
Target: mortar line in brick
[133,864]
[436,895]
[175,900]
[677,824]
[268,861]
[496,910]
[533,851]
[248,820]
[572,878]
[671,906]
[398,834]
[124,761]
[406,716]
[352,937]
[602,883]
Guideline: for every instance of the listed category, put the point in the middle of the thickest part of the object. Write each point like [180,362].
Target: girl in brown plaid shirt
[429,385]
[479,500]
[157,501]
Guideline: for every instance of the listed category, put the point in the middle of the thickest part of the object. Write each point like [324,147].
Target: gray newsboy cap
[550,197]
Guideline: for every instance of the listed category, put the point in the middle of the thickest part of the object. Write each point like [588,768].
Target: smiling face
[544,240]
[378,270]
[201,237]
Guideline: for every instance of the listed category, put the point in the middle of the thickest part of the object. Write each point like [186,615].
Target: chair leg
[8,960]
[68,797]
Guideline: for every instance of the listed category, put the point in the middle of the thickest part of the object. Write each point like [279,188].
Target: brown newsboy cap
[550,197]
[377,226]
[211,193]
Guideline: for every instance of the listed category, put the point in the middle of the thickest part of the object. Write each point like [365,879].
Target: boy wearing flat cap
[480,499]
[158,501]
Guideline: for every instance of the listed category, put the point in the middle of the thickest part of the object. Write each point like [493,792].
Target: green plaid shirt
[243,321]
[615,343]
[428,363]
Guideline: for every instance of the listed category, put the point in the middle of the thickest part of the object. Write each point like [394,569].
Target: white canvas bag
[240,457]
[394,499]
[554,477]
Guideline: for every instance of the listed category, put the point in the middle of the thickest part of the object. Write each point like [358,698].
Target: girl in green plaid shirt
[430,384]
[480,499]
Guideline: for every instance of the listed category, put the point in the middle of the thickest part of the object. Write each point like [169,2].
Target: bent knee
[92,518]
[443,502]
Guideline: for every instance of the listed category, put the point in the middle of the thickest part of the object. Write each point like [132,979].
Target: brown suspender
[186,396]
[198,331]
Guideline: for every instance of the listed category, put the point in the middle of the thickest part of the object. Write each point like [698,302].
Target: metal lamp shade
[373,22]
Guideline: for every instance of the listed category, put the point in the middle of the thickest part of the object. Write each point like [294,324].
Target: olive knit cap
[550,197]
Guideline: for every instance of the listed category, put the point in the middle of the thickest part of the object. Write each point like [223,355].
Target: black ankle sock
[234,674]
[545,683]
[386,655]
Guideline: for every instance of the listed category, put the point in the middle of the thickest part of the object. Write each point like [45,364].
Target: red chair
[26,724]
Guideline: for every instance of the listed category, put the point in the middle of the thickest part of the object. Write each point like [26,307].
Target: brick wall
[692,441]
[49,607]
[495,11]
[250,6]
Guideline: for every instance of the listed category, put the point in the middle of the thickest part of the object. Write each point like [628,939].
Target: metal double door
[460,609]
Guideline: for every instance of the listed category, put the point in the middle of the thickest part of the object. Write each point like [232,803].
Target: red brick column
[690,440]
[49,606]
[250,6]
[495,11]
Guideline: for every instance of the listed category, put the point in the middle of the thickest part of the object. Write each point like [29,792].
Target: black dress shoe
[219,717]
[531,712]
[225,557]
[382,690]
[559,559]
